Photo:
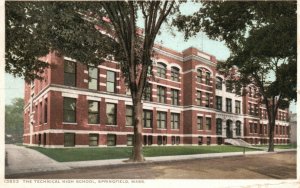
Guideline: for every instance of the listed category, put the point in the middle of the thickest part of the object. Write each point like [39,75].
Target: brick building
[187,103]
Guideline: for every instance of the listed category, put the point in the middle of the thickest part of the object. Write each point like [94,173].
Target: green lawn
[86,154]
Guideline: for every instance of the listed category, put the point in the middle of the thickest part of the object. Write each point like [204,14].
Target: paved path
[22,160]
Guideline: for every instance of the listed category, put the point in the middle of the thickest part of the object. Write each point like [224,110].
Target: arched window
[199,75]
[238,128]
[207,78]
[175,74]
[161,70]
[219,83]
[219,126]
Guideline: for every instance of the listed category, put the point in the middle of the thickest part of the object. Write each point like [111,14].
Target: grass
[86,154]
[289,146]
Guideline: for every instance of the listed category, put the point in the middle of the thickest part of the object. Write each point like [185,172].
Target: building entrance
[229,129]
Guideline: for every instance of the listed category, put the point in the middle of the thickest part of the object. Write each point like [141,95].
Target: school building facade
[185,103]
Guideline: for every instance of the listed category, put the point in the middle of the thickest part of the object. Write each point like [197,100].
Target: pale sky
[14,87]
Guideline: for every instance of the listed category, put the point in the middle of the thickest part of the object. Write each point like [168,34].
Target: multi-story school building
[186,103]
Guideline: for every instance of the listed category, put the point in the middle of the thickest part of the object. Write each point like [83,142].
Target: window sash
[219,127]
[175,97]
[111,114]
[219,102]
[200,123]
[69,110]
[110,81]
[174,74]
[208,123]
[161,94]
[111,139]
[199,98]
[69,73]
[129,116]
[147,119]
[161,120]
[199,75]
[175,121]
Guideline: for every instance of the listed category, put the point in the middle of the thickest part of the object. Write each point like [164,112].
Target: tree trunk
[271,136]
[137,151]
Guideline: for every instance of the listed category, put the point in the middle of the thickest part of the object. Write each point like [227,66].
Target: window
[173,140]
[111,114]
[251,128]
[70,73]
[159,140]
[175,96]
[93,117]
[110,81]
[93,78]
[219,83]
[165,140]
[130,140]
[45,111]
[228,105]
[199,75]
[147,93]
[161,120]
[161,94]
[238,107]
[129,116]
[255,128]
[128,92]
[207,100]
[207,78]
[93,139]
[200,140]
[161,70]
[266,129]
[147,140]
[238,128]
[69,110]
[219,140]
[219,127]
[111,139]
[199,98]
[147,118]
[175,119]
[208,140]
[219,102]
[260,129]
[255,109]
[177,140]
[69,139]
[200,122]
[208,123]
[175,74]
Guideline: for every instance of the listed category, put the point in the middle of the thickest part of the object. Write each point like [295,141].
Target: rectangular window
[208,123]
[147,119]
[69,139]
[161,94]
[93,139]
[159,140]
[111,114]
[177,140]
[199,98]
[69,106]
[199,75]
[161,120]
[165,140]
[175,96]
[93,116]
[45,111]
[93,78]
[219,127]
[251,128]
[129,116]
[238,128]
[255,128]
[200,140]
[228,105]
[207,100]
[175,119]
[130,140]
[110,81]
[111,139]
[173,140]
[147,96]
[200,122]
[238,107]
[69,73]
[208,140]
[219,103]
[266,129]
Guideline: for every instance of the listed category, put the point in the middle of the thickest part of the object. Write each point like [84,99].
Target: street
[264,166]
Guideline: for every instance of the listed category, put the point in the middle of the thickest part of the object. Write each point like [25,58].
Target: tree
[69,29]
[262,39]
[14,119]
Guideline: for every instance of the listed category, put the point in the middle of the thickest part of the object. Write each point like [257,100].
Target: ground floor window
[200,140]
[165,141]
[93,139]
[208,140]
[173,140]
[147,140]
[219,140]
[111,139]
[159,140]
[177,140]
[69,139]
[130,140]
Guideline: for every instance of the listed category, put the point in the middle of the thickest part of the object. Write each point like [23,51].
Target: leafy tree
[262,39]
[14,119]
[33,29]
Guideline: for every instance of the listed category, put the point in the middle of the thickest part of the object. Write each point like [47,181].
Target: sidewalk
[24,160]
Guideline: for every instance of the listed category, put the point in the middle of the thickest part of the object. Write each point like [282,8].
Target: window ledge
[175,129]
[69,123]
[161,129]
[91,124]
[147,127]
[111,125]
[129,126]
